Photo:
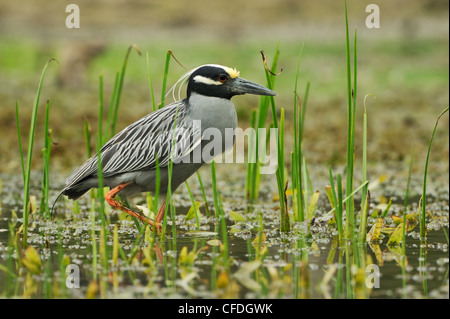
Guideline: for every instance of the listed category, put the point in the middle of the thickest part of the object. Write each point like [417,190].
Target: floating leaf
[200,233]
[411,222]
[397,235]
[374,232]
[213,242]
[237,217]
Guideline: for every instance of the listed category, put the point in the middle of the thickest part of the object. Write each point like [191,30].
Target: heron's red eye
[223,78]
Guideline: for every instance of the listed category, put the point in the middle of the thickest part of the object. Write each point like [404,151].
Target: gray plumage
[131,154]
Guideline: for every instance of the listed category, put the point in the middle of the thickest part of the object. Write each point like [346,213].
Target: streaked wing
[140,144]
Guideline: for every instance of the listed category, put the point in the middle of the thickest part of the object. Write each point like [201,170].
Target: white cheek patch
[205,80]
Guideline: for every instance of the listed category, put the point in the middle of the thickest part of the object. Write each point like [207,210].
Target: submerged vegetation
[217,244]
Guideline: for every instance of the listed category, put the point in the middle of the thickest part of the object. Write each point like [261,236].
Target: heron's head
[221,81]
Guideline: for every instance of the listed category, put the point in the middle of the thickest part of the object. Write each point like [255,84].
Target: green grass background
[404,64]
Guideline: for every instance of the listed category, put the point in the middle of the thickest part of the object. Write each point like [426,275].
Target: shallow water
[292,267]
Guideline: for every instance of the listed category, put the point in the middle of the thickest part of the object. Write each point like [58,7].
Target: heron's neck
[212,111]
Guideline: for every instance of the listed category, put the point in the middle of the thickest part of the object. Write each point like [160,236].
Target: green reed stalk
[405,207]
[44,206]
[295,188]
[204,194]
[346,199]
[170,164]
[258,120]
[111,108]
[197,223]
[423,230]
[364,197]
[250,185]
[20,142]
[337,200]
[157,186]
[87,138]
[29,157]
[218,207]
[164,84]
[94,243]
[284,216]
[301,176]
[339,209]
[152,94]
[103,241]
[270,79]
[299,113]
[169,187]
[386,210]
[351,99]
[158,181]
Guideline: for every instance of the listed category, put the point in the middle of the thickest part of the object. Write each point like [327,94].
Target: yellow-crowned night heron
[174,132]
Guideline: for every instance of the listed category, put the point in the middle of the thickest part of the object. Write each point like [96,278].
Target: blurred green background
[404,63]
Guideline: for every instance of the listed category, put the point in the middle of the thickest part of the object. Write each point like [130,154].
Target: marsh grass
[297,155]
[26,169]
[351,113]
[103,231]
[44,206]
[423,231]
[258,120]
[108,255]
[365,196]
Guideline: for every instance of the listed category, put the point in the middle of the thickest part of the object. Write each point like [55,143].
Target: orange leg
[161,212]
[110,198]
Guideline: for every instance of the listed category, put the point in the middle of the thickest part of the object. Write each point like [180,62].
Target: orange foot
[111,199]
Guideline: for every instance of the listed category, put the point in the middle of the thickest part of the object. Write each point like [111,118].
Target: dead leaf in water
[374,232]
[397,235]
